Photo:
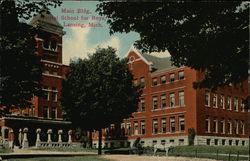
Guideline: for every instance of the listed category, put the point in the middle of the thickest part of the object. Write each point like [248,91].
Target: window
[172,100]
[236,104]
[154,81]
[171,76]
[135,128]
[208,141]
[163,125]
[54,94]
[46,93]
[215,103]
[54,73]
[142,105]
[122,129]
[163,142]
[129,129]
[243,143]
[230,142]
[181,141]
[236,142]
[154,142]
[143,127]
[242,105]
[181,124]
[155,102]
[53,45]
[207,124]
[142,85]
[242,127]
[181,99]
[172,124]
[229,126]
[53,112]
[163,101]
[236,127]
[135,83]
[215,125]
[222,126]
[215,141]
[223,142]
[207,98]
[155,126]
[181,75]
[222,101]
[163,79]
[229,103]
[45,112]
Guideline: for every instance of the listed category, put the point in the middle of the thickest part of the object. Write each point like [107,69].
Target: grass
[6,150]
[74,158]
[66,149]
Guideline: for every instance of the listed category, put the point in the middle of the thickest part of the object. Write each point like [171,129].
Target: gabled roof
[47,22]
[157,64]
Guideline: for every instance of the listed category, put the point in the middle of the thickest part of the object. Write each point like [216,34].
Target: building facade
[169,106]
[43,123]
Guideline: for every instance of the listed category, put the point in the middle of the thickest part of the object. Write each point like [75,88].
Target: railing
[58,144]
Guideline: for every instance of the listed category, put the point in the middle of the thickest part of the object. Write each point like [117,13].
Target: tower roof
[46,21]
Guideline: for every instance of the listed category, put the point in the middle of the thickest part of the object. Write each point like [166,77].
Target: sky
[79,40]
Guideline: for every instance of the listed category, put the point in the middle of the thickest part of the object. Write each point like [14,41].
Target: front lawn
[60,149]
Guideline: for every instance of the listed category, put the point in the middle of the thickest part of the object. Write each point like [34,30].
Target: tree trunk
[100,142]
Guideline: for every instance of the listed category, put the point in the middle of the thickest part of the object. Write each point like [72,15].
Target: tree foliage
[20,67]
[98,91]
[206,36]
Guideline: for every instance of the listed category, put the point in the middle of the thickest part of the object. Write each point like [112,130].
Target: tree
[98,91]
[20,72]
[208,36]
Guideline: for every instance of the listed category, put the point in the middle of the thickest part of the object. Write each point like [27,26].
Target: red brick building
[169,106]
[45,117]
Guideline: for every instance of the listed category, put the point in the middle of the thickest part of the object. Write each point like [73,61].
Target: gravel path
[151,158]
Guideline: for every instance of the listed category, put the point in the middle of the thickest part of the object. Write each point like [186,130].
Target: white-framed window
[46,91]
[208,124]
[128,128]
[242,105]
[154,81]
[181,75]
[172,99]
[163,79]
[236,127]
[155,102]
[142,82]
[215,125]
[53,112]
[215,100]
[236,103]
[222,126]
[142,105]
[46,112]
[172,124]
[171,77]
[155,126]
[229,126]
[163,101]
[135,82]
[54,94]
[222,101]
[242,127]
[163,125]
[207,98]
[143,129]
[181,99]
[229,103]
[181,123]
[135,128]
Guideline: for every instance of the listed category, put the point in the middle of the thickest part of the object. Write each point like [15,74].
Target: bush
[191,136]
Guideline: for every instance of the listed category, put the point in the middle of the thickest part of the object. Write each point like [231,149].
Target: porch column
[25,138]
[70,133]
[11,141]
[60,135]
[49,132]
[38,131]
